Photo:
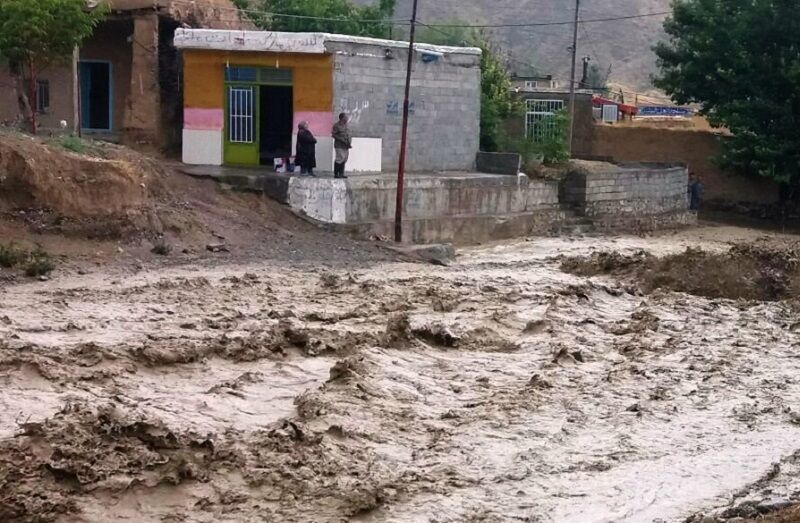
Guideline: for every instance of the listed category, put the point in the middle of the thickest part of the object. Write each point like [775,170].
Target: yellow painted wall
[203,77]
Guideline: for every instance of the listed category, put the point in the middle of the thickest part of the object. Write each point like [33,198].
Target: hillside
[624,45]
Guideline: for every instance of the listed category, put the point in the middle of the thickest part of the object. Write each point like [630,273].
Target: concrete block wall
[372,200]
[634,196]
[451,196]
[444,124]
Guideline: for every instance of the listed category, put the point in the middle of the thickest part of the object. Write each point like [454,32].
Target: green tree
[451,32]
[497,101]
[326,16]
[595,79]
[740,59]
[35,34]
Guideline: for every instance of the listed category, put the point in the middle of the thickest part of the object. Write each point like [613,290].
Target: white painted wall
[202,147]
[366,155]
[323,199]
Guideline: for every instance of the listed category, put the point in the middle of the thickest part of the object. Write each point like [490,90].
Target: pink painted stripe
[203,119]
[320,123]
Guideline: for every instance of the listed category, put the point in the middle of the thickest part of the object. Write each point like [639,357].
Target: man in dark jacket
[695,191]
[342,143]
[306,157]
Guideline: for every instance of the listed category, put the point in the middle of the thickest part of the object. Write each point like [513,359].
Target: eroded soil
[500,388]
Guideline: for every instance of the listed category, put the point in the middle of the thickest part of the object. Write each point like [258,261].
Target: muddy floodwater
[500,388]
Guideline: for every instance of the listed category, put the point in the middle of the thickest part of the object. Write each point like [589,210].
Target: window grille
[241,124]
[539,122]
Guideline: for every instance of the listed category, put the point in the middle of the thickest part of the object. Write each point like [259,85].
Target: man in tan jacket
[342,143]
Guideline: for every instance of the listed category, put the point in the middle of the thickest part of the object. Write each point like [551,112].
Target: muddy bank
[764,272]
[499,388]
[105,204]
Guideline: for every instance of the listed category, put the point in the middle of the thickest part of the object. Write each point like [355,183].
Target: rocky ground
[556,379]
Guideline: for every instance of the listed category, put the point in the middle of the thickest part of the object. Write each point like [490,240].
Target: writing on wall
[249,41]
[354,108]
[395,107]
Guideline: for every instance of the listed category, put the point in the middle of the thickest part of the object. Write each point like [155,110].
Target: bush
[72,143]
[552,149]
[161,248]
[34,263]
[39,263]
[10,255]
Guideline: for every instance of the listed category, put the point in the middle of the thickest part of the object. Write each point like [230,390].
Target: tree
[595,79]
[497,101]
[35,34]
[325,16]
[451,32]
[740,59]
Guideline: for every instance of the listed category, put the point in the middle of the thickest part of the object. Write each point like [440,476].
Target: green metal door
[241,124]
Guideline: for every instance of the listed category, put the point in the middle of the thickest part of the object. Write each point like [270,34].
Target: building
[612,111]
[541,103]
[246,92]
[533,81]
[126,84]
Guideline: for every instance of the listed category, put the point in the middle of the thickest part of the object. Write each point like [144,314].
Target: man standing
[695,192]
[342,143]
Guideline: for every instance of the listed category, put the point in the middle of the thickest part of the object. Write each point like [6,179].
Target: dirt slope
[112,202]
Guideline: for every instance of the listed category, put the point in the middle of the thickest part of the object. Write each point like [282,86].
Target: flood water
[496,389]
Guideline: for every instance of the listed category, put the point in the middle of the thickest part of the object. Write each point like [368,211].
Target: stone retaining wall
[630,197]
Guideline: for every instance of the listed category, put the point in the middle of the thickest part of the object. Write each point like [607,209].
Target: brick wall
[60,80]
[696,149]
[444,124]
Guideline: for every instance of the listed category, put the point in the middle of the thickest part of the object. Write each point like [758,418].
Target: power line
[546,24]
[530,65]
[258,12]
[435,27]
[408,22]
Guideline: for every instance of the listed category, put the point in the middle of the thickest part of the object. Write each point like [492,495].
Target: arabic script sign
[664,110]
[249,41]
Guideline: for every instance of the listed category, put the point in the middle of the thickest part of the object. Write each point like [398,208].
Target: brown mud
[767,271]
[499,388]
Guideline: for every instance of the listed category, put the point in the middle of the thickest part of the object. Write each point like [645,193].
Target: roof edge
[275,41]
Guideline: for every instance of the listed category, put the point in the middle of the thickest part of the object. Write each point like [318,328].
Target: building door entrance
[96,96]
[276,120]
[258,115]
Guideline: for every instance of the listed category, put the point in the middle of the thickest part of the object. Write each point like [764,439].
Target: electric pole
[572,75]
[401,164]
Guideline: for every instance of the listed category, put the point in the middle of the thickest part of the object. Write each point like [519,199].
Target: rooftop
[277,42]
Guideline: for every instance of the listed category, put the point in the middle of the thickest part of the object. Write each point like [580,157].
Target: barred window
[241,125]
[539,123]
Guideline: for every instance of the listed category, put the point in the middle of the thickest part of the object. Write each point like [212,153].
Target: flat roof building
[246,91]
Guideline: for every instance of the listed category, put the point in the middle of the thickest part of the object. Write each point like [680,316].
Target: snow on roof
[277,42]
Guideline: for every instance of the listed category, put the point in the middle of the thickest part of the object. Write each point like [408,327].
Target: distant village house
[128,86]
[542,98]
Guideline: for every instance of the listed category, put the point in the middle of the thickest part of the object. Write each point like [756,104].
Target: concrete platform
[470,208]
[458,207]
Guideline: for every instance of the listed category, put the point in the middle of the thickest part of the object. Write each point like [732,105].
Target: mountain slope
[625,45]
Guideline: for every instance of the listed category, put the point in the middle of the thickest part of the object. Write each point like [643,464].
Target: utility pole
[401,164]
[572,75]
